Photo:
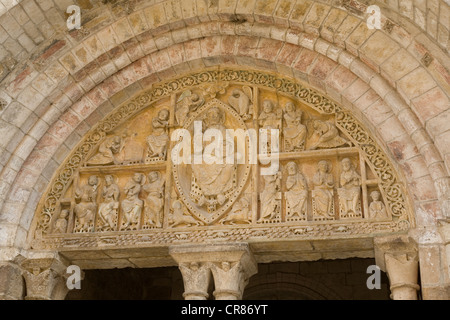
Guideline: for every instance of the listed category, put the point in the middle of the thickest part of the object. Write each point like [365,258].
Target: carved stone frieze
[136,179]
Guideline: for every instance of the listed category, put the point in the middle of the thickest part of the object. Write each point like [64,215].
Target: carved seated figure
[295,131]
[349,193]
[157,141]
[108,209]
[269,118]
[132,205]
[178,216]
[377,209]
[297,192]
[323,191]
[86,205]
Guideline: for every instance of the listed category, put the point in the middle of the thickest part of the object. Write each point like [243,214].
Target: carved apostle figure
[377,209]
[107,152]
[327,135]
[294,131]
[269,118]
[154,204]
[61,222]
[157,141]
[213,183]
[323,190]
[241,101]
[187,103]
[108,209]
[297,191]
[270,198]
[86,205]
[349,193]
[132,205]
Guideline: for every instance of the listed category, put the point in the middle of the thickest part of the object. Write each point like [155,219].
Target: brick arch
[66,110]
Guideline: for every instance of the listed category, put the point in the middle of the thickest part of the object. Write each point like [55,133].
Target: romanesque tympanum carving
[223,155]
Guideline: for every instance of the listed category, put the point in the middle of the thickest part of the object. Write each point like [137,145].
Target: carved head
[347,164]
[324,166]
[214,116]
[64,214]
[375,195]
[109,180]
[93,180]
[163,115]
[267,106]
[292,168]
[194,266]
[137,177]
[153,176]
[226,265]
[290,107]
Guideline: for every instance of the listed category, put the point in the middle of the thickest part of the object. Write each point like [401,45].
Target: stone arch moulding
[174,205]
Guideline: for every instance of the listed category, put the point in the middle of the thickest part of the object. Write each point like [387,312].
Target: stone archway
[77,80]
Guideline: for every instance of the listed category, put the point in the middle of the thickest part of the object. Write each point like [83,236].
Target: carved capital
[398,257]
[11,281]
[45,278]
[403,273]
[230,264]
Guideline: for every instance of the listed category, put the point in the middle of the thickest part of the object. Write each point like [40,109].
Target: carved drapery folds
[332,178]
[230,266]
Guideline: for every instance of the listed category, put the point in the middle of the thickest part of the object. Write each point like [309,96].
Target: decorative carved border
[374,155]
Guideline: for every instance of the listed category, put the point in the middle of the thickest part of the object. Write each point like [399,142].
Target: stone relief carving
[323,193]
[154,203]
[270,199]
[296,194]
[377,209]
[242,100]
[294,131]
[350,191]
[210,196]
[327,135]
[109,208]
[132,205]
[158,140]
[86,205]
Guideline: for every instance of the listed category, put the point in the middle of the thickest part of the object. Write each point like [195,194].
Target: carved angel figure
[196,278]
[377,209]
[187,103]
[270,197]
[132,205]
[239,213]
[327,135]
[323,189]
[157,141]
[349,192]
[294,131]
[108,209]
[86,207]
[154,203]
[241,100]
[107,152]
[228,280]
[297,191]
